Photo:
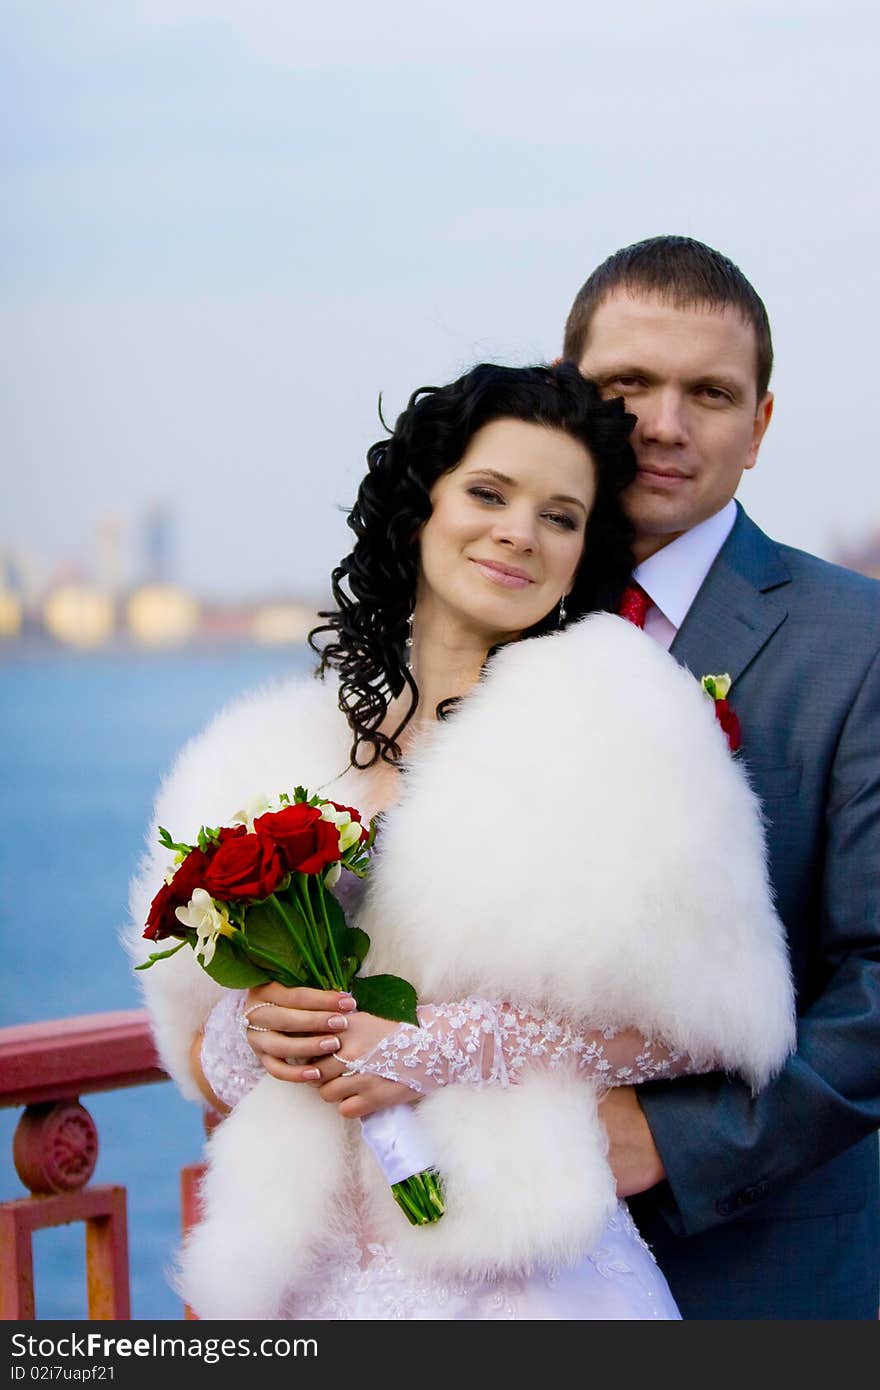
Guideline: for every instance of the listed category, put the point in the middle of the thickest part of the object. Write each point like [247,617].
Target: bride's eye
[485,494]
[562,519]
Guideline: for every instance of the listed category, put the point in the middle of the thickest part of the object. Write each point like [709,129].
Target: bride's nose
[515,527]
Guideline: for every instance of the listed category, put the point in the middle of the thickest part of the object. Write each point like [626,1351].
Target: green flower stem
[303,946]
[162,955]
[420,1197]
[334,956]
[303,898]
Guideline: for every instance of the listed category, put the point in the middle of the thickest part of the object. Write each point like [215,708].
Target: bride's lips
[508,576]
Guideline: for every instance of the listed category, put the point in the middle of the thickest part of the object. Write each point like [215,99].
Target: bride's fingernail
[312,1074]
[328,1044]
[337,1021]
[346,1003]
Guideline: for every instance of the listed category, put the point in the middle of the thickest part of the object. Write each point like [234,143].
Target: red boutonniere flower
[718,689]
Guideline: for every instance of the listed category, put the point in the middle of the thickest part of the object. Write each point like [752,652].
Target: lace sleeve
[479,1042]
[230,1065]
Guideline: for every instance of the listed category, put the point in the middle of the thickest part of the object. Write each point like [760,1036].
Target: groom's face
[688,375]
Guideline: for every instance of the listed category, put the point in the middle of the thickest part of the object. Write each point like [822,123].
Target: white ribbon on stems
[395,1139]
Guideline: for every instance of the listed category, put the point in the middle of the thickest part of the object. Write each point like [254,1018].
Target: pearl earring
[561,622]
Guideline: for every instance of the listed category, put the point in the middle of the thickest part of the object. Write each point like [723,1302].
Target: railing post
[55,1151]
[16,1269]
[107,1260]
[46,1067]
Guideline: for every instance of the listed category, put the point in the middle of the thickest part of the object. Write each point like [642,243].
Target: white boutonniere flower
[718,689]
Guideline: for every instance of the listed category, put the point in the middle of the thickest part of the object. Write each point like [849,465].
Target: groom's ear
[763,415]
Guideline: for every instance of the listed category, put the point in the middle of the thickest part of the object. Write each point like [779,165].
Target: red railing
[46,1067]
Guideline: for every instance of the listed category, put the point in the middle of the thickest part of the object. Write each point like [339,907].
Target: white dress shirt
[672,576]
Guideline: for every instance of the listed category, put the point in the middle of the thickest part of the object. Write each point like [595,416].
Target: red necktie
[634,604]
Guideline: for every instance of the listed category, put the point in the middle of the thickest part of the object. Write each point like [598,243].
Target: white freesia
[349,830]
[258,805]
[208,920]
[333,875]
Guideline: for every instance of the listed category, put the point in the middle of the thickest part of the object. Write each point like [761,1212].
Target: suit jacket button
[753,1194]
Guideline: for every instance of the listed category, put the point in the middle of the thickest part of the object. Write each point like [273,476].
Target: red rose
[292,830]
[305,840]
[244,866]
[326,849]
[729,722]
[231,832]
[190,874]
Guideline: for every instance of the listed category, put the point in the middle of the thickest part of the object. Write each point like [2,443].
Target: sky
[228,229]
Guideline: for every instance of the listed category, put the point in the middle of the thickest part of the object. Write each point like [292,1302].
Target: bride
[569,868]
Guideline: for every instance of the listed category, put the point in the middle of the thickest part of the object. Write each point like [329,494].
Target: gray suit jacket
[771,1205]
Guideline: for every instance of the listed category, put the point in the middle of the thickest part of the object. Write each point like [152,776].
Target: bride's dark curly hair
[374,587]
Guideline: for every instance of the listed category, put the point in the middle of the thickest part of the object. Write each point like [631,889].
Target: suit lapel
[741,603]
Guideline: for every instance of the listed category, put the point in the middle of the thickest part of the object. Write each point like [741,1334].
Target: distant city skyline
[123,552]
[227,230]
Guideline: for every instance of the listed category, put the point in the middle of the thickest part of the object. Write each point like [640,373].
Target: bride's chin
[501,631]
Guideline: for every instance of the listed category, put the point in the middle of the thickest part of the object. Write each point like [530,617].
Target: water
[83,743]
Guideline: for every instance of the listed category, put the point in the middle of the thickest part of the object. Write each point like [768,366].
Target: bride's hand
[295,1024]
[357,1096]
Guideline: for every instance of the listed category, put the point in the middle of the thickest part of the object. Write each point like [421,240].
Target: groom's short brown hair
[684,271]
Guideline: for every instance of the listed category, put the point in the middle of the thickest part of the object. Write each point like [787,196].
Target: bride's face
[506,534]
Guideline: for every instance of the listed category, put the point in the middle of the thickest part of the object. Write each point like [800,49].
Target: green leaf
[355,943]
[386,996]
[275,970]
[265,931]
[208,837]
[166,841]
[269,940]
[231,968]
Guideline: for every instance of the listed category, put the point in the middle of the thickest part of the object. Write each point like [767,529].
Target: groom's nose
[663,417]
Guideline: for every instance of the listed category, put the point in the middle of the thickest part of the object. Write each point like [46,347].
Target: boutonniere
[718,689]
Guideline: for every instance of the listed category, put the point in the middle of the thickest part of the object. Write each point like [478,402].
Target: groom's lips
[662,477]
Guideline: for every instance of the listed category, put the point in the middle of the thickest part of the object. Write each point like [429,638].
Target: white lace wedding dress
[471,1042]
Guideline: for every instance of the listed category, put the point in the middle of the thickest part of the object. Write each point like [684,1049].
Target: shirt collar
[672,576]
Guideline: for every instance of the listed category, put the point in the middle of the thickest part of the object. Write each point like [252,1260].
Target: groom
[756,1207]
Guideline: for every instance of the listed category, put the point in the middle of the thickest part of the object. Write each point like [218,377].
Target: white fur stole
[578,837]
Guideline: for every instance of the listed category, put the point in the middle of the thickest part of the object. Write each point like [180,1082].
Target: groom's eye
[714,394]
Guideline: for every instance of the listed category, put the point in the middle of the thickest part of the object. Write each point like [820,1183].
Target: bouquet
[253,900]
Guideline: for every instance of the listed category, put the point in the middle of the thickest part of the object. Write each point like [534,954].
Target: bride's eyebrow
[491,473]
